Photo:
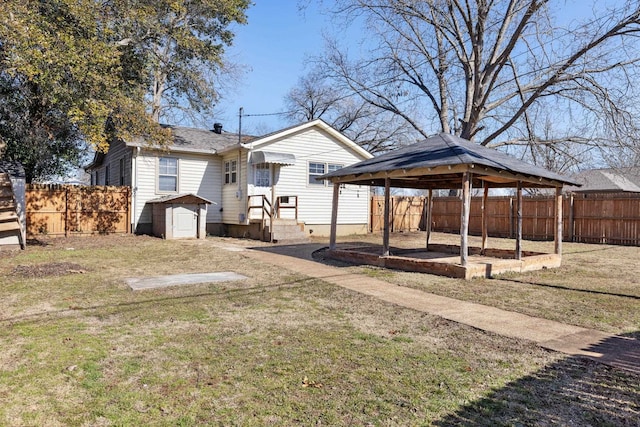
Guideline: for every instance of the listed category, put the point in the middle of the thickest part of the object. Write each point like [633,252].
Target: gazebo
[445,161]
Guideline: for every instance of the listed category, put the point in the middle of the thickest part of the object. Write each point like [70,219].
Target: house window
[106,175]
[168,174]
[315,170]
[318,169]
[262,175]
[231,172]
[333,168]
[122,171]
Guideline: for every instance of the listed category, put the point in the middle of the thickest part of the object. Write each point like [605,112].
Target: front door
[185,221]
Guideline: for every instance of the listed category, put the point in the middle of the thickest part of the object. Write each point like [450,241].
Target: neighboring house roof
[439,161]
[607,181]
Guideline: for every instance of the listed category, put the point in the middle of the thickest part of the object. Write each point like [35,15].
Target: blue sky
[272,47]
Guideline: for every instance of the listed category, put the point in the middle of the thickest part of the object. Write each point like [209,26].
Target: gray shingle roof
[448,150]
[197,140]
[607,180]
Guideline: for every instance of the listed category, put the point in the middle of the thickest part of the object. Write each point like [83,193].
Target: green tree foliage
[179,47]
[35,134]
[92,63]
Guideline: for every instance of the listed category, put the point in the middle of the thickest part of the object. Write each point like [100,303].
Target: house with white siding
[259,187]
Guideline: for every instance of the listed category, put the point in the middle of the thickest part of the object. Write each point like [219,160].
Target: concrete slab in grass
[141,283]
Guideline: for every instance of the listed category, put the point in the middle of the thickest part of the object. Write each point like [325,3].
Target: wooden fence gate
[587,218]
[69,210]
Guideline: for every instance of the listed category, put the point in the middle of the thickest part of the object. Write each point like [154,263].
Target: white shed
[182,216]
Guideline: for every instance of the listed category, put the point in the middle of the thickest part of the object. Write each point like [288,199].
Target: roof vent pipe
[217,128]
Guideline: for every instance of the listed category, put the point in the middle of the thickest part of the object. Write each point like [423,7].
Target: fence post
[511,217]
[571,224]
[128,191]
[485,217]
[558,212]
[519,222]
[66,212]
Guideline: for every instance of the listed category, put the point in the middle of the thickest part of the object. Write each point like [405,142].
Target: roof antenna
[240,113]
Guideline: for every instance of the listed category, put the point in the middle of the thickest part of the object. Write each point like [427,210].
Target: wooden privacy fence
[590,218]
[66,210]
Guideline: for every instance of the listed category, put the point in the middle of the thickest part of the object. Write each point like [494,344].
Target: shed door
[185,221]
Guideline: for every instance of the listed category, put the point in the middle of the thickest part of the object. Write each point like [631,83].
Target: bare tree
[374,129]
[476,68]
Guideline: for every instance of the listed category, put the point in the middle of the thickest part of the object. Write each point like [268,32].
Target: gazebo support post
[334,216]
[485,217]
[519,221]
[558,239]
[427,221]
[385,230]
[464,218]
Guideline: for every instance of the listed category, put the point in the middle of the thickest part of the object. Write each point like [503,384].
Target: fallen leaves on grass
[49,269]
[306,382]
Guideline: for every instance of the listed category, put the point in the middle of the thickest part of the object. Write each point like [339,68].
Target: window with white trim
[318,169]
[230,171]
[168,174]
[333,167]
[262,175]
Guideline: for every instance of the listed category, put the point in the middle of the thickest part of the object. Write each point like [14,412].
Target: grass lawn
[80,348]
[598,286]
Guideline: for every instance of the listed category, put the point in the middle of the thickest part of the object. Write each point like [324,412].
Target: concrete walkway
[610,349]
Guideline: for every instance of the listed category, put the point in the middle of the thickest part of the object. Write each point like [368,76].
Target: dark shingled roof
[607,181]
[197,140]
[439,154]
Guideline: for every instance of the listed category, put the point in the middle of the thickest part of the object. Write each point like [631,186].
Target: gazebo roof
[439,162]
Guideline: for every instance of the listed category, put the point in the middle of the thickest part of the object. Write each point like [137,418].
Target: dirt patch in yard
[90,242]
[49,269]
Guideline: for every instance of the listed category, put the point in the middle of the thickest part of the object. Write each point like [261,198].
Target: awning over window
[285,159]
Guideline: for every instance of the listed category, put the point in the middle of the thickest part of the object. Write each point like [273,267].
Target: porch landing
[444,260]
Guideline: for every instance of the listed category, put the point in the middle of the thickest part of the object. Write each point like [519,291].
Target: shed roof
[607,181]
[438,162]
[186,198]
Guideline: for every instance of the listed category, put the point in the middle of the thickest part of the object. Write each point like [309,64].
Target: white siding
[197,174]
[234,196]
[145,186]
[314,201]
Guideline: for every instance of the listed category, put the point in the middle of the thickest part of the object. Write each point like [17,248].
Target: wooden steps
[9,219]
